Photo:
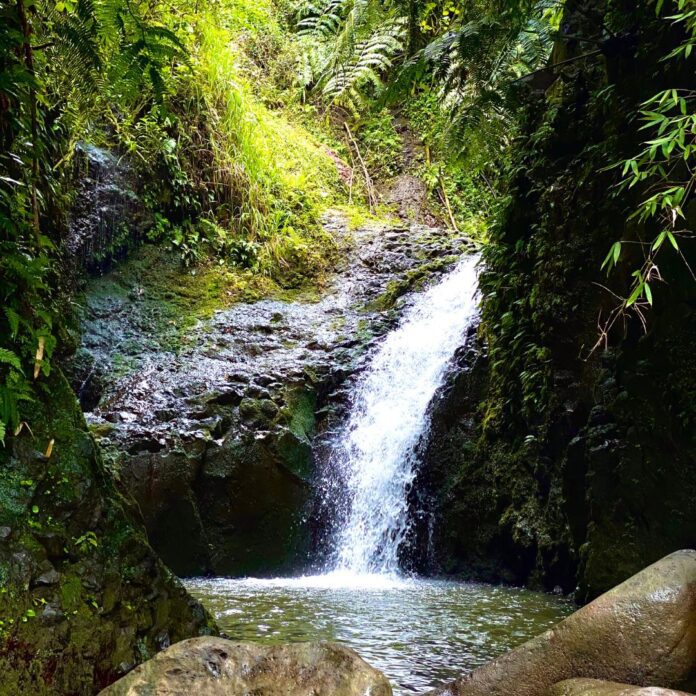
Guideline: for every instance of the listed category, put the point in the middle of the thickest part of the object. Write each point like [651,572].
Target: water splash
[376,456]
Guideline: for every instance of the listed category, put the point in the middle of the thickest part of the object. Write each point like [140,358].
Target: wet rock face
[217,667]
[84,598]
[583,467]
[107,217]
[641,632]
[450,479]
[216,437]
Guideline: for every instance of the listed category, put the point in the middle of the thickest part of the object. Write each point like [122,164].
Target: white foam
[376,452]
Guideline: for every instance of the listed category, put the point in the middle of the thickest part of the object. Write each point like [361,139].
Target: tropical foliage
[665,169]
[234,113]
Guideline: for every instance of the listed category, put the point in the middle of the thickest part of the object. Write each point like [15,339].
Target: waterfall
[375,455]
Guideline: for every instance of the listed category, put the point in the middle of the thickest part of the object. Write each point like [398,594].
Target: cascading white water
[389,415]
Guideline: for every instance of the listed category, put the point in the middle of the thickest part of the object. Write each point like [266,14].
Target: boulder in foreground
[641,632]
[597,687]
[216,667]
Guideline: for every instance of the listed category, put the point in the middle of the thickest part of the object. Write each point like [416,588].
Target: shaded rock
[643,632]
[409,195]
[51,615]
[596,687]
[49,577]
[258,412]
[250,503]
[71,623]
[582,471]
[106,197]
[218,667]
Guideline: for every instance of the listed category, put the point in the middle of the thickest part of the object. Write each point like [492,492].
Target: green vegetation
[559,136]
[666,170]
[245,121]
[226,177]
[580,454]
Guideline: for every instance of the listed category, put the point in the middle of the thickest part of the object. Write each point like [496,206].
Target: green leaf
[637,292]
[673,240]
[13,320]
[9,358]
[648,294]
[660,238]
[613,255]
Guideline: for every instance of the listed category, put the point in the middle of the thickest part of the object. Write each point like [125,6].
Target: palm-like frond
[347,45]
[367,61]
[473,63]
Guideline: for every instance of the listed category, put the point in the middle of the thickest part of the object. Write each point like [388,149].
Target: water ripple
[419,632]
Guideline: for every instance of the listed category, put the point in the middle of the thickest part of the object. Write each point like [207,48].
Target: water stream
[419,632]
[376,452]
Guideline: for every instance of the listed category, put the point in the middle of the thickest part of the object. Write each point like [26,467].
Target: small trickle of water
[375,454]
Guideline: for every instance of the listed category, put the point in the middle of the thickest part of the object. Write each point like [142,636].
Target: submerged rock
[218,667]
[597,687]
[642,632]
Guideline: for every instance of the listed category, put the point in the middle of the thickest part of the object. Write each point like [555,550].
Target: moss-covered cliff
[83,598]
[565,466]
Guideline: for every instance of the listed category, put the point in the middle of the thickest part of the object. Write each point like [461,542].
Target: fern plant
[346,48]
[473,64]
[60,63]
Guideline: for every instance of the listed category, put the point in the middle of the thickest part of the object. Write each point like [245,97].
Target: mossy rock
[84,597]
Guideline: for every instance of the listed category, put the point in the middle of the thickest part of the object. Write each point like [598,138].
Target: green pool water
[420,633]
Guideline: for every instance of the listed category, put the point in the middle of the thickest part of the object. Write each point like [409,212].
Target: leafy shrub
[382,145]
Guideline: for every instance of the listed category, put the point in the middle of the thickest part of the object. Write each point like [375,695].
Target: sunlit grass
[275,178]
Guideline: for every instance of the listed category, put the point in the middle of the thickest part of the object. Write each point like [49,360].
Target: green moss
[167,298]
[359,216]
[258,412]
[100,430]
[296,455]
[71,593]
[414,279]
[14,495]
[109,595]
[299,413]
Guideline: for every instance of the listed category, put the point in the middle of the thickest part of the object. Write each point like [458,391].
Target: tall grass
[271,179]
